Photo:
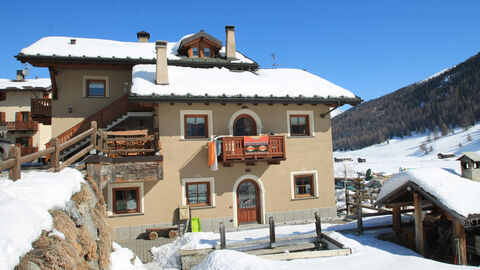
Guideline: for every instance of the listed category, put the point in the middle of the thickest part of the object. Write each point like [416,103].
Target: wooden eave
[333,102]
[398,196]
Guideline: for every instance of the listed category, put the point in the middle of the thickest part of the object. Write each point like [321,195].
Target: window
[303,185]
[195,52]
[126,200]
[24,142]
[196,126]
[299,125]
[96,88]
[206,52]
[3,96]
[198,194]
[244,125]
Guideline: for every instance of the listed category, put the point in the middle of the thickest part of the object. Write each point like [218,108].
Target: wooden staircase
[105,117]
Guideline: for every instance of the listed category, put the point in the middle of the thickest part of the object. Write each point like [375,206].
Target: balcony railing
[28,150]
[234,150]
[41,107]
[15,125]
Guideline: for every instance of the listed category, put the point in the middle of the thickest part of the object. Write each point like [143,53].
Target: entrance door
[248,202]
[244,125]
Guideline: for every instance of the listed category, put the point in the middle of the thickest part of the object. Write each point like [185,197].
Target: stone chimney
[162,69]
[20,76]
[143,36]
[230,51]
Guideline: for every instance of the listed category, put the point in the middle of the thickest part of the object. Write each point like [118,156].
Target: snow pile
[103,48]
[406,153]
[443,185]
[367,251]
[121,257]
[221,81]
[27,84]
[24,206]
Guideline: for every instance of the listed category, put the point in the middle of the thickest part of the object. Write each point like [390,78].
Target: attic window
[206,52]
[195,52]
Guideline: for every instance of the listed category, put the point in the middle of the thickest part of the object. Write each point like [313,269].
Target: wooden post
[359,212]
[272,232]
[346,202]
[223,239]
[93,137]
[15,172]
[419,243]
[461,243]
[55,157]
[100,141]
[318,227]
[396,220]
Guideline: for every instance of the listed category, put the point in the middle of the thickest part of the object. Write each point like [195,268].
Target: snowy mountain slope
[394,154]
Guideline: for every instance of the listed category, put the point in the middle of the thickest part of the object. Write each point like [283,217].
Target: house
[239,144]
[445,155]
[447,213]
[24,108]
[470,164]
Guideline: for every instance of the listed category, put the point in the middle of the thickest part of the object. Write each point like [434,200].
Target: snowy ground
[367,251]
[405,153]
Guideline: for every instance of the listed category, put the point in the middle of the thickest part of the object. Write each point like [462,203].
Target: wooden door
[248,202]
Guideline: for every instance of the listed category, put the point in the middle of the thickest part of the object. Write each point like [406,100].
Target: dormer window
[195,52]
[200,45]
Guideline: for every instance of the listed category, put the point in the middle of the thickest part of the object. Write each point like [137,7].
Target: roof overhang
[332,102]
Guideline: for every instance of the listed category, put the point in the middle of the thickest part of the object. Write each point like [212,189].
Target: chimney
[230,53]
[162,70]
[20,76]
[143,36]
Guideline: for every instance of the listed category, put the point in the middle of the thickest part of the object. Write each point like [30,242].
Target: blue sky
[369,47]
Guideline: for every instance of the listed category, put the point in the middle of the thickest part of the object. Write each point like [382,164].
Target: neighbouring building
[25,110]
[470,164]
[270,128]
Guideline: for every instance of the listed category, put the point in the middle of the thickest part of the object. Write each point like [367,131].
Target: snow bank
[27,84]
[222,81]
[121,257]
[445,186]
[24,206]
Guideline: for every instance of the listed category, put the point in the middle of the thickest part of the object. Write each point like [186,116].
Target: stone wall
[81,238]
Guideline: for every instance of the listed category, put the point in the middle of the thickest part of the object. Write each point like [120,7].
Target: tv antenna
[26,69]
[274,61]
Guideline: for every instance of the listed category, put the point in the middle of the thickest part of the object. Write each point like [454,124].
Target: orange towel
[211,153]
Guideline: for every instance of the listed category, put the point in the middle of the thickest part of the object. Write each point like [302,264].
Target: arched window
[244,125]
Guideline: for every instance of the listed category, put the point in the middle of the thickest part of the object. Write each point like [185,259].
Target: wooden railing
[41,107]
[28,150]
[15,125]
[97,142]
[233,149]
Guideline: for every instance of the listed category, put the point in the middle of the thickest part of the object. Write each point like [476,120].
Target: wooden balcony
[233,150]
[41,110]
[24,126]
[28,150]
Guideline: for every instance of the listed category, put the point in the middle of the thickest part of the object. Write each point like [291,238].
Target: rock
[73,213]
[28,265]
[87,220]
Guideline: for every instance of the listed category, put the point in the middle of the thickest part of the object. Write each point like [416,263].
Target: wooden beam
[396,220]
[461,245]
[307,254]
[53,73]
[403,204]
[419,243]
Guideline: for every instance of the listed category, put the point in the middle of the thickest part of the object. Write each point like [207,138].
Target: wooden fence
[97,142]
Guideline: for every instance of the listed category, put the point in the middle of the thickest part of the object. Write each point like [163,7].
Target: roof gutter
[334,102]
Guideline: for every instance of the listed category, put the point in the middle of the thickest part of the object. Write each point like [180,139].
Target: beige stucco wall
[70,85]
[188,159]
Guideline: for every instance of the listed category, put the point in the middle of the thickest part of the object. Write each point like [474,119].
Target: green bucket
[196,224]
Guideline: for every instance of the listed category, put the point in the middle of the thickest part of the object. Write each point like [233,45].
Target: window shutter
[29,116]
[18,116]
[30,142]
[2,117]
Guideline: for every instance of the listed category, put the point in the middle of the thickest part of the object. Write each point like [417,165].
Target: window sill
[112,215]
[304,198]
[201,207]
[95,97]
[291,137]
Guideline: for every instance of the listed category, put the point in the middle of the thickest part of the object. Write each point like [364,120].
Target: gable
[200,40]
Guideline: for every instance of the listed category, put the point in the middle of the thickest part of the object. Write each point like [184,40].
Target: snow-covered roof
[470,155]
[103,48]
[6,84]
[456,193]
[215,82]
